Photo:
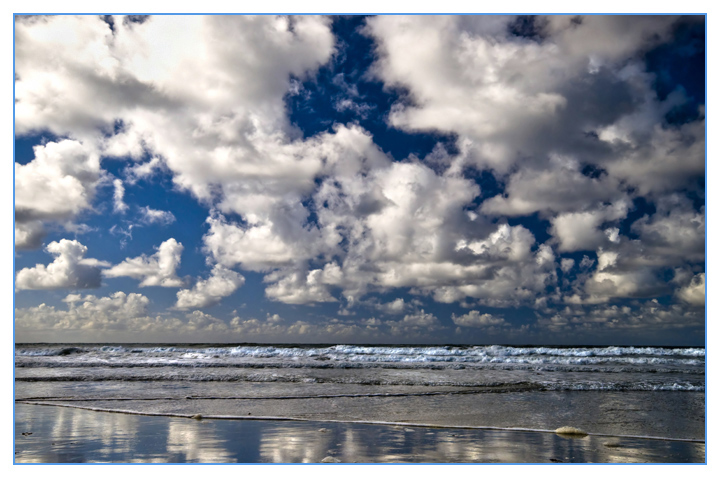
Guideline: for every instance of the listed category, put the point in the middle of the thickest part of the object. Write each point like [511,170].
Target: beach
[447,404]
[66,435]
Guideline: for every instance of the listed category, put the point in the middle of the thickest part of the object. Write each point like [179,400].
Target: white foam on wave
[491,353]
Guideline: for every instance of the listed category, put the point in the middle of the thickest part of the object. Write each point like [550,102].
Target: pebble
[570,431]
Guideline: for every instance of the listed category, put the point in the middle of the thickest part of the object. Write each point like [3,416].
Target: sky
[391,179]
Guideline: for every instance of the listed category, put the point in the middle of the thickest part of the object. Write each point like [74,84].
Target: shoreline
[352,422]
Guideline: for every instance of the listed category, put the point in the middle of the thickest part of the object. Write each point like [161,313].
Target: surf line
[279,397]
[356,422]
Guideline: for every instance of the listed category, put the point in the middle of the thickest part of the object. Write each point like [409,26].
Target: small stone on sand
[571,431]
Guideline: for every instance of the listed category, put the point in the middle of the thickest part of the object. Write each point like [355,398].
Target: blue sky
[393,179]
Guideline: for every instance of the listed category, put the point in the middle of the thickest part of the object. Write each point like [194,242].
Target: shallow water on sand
[49,434]
[657,414]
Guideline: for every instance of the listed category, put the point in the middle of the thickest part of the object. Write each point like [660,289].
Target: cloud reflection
[64,435]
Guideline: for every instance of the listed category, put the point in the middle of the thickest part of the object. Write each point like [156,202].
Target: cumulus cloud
[649,316]
[578,231]
[567,124]
[222,128]
[119,316]
[404,225]
[69,270]
[29,235]
[228,141]
[257,247]
[297,287]
[85,312]
[622,270]
[156,270]
[122,316]
[559,188]
[694,292]
[420,319]
[511,99]
[417,324]
[675,233]
[396,306]
[221,283]
[671,159]
[57,185]
[475,319]
[672,237]
[155,216]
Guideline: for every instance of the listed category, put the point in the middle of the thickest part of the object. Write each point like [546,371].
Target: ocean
[647,393]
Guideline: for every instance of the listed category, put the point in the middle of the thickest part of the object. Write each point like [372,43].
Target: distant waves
[488,368]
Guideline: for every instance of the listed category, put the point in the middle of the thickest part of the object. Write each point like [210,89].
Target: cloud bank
[567,183]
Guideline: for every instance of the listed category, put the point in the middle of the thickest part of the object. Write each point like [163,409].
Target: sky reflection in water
[64,435]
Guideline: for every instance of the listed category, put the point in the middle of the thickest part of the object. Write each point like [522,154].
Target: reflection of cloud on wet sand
[115,433]
[60,435]
[196,442]
[292,444]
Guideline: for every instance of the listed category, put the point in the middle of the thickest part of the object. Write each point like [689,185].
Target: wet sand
[51,434]
[658,414]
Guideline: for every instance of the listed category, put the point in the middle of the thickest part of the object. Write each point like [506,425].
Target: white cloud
[567,264]
[622,271]
[347,104]
[155,216]
[57,185]
[559,188]
[414,325]
[475,319]
[580,231]
[261,246]
[69,270]
[297,287]
[221,283]
[694,292]
[649,316]
[396,306]
[675,233]
[119,205]
[509,99]
[29,235]
[117,317]
[156,270]
[142,170]
[418,319]
[220,129]
[671,159]
[88,312]
[569,125]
